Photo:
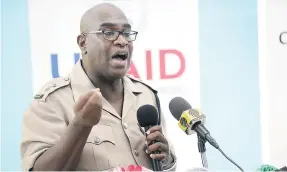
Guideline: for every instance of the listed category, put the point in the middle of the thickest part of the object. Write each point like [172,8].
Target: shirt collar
[81,84]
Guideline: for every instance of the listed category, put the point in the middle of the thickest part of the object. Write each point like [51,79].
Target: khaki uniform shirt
[115,141]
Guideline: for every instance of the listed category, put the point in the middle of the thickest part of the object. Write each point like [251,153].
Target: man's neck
[111,90]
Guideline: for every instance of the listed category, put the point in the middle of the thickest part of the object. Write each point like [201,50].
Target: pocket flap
[100,134]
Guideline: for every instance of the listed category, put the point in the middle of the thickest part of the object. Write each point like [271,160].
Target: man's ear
[81,40]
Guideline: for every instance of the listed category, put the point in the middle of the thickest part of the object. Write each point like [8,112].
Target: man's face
[109,55]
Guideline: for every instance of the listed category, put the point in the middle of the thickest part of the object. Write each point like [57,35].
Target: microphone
[191,120]
[148,117]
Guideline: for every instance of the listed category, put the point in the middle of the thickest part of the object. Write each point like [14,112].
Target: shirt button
[136,153]
[125,125]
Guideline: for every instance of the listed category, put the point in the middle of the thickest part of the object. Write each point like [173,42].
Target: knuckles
[154,136]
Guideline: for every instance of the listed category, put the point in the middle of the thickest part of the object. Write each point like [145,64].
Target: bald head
[102,14]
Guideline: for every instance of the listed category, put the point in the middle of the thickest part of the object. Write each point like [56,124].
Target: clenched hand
[88,109]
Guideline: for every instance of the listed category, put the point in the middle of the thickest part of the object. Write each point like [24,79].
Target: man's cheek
[131,48]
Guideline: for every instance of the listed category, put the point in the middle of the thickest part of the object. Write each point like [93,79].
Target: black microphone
[148,117]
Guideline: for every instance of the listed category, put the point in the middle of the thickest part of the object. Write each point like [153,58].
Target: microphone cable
[221,151]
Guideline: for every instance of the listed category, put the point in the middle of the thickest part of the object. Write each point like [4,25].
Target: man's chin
[118,74]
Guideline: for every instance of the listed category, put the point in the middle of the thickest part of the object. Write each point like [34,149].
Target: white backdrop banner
[273,74]
[165,53]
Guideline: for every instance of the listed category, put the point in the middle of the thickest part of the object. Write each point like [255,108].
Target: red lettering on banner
[162,66]
[148,65]
[162,56]
[133,71]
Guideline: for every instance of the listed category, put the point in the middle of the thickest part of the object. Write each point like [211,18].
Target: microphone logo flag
[189,118]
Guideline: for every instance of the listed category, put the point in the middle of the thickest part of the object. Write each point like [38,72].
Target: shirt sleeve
[42,126]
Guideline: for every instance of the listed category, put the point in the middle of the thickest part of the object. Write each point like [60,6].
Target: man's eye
[110,33]
[127,34]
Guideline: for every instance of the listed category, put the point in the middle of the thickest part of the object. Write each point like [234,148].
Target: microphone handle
[156,164]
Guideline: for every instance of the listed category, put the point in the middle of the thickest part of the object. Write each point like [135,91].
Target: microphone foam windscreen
[178,105]
[147,116]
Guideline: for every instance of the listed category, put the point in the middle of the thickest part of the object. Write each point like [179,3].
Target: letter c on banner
[283,38]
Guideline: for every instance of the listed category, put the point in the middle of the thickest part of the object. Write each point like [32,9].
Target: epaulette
[52,86]
[155,94]
[140,81]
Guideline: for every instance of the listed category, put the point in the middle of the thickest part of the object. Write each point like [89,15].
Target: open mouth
[120,56]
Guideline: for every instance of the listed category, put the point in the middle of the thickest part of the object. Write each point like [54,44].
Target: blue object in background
[16,79]
[229,81]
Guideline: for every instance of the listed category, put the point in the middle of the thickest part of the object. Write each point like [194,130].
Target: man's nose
[121,41]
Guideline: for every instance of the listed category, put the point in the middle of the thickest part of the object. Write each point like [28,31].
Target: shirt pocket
[103,146]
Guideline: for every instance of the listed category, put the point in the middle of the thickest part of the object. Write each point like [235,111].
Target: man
[87,121]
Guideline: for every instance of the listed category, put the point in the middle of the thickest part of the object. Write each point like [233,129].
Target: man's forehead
[112,18]
[104,16]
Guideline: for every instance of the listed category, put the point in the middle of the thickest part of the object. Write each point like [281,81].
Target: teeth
[123,54]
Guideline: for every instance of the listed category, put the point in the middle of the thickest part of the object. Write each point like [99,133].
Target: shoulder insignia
[52,86]
[140,81]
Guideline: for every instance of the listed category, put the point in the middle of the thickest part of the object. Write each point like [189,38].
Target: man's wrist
[168,159]
[169,163]
[79,121]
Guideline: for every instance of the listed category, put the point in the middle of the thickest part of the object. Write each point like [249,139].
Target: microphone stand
[202,150]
